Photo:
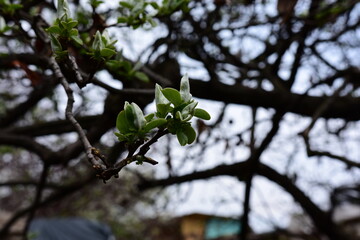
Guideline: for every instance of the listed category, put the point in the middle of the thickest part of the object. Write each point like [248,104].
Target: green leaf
[154,5]
[73,32]
[122,20]
[162,104]
[126,4]
[121,137]
[154,124]
[172,95]
[185,89]
[71,24]
[55,44]
[61,54]
[162,110]
[152,22]
[106,39]
[130,116]
[2,23]
[138,8]
[113,64]
[107,52]
[95,3]
[179,116]
[77,39]
[122,123]
[201,113]
[159,96]
[127,66]
[62,24]
[149,117]
[142,76]
[63,10]
[54,30]
[139,119]
[188,111]
[181,136]
[97,43]
[190,133]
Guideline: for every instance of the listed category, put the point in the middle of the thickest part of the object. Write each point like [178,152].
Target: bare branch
[28,143]
[94,160]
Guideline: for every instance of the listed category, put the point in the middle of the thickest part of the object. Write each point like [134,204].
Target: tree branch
[342,107]
[28,143]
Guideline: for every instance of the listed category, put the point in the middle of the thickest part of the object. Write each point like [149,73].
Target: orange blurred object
[34,77]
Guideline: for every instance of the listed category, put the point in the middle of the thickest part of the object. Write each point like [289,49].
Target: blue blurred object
[69,229]
[221,227]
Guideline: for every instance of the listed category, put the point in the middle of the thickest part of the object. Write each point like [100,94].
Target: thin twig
[75,68]
[96,162]
[127,91]
[140,156]
[323,107]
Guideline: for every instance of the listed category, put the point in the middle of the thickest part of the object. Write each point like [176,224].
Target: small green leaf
[106,39]
[152,22]
[61,54]
[185,89]
[95,3]
[120,137]
[139,119]
[201,113]
[172,95]
[188,111]
[154,124]
[126,4]
[130,116]
[154,5]
[122,20]
[142,76]
[97,43]
[190,133]
[54,29]
[162,110]
[149,117]
[63,10]
[127,66]
[77,39]
[71,24]
[55,44]
[73,32]
[2,23]
[162,104]
[181,136]
[159,96]
[112,65]
[122,123]
[62,24]
[178,116]
[107,52]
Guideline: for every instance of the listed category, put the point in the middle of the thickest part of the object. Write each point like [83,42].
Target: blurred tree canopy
[282,78]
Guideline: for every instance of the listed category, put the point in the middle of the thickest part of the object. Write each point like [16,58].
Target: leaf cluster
[174,111]
[103,48]
[126,69]
[9,8]
[63,30]
[136,13]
